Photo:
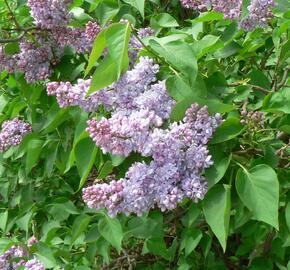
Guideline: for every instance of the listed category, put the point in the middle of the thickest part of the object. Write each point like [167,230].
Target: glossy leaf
[258,189]
[216,207]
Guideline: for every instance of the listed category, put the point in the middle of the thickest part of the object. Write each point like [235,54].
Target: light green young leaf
[216,207]
[98,47]
[105,74]
[164,20]
[3,220]
[258,189]
[117,38]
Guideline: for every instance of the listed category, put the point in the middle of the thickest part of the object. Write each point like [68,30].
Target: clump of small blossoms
[230,8]
[31,241]
[34,264]
[121,94]
[259,10]
[195,4]
[12,133]
[8,259]
[179,156]
[259,13]
[49,13]
[179,153]
[17,256]
[255,120]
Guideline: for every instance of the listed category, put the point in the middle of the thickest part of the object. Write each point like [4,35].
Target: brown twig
[255,87]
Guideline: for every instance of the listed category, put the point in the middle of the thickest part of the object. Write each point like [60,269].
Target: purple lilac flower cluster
[121,94]
[49,13]
[7,259]
[179,155]
[51,36]
[259,10]
[16,256]
[34,264]
[140,106]
[259,13]
[230,8]
[196,4]
[12,133]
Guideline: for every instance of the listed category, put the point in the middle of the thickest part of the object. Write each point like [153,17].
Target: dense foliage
[144,134]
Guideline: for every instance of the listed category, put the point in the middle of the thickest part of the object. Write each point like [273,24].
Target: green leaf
[117,37]
[179,55]
[111,230]
[210,16]
[220,165]
[117,160]
[207,44]
[85,155]
[228,130]
[163,20]
[80,225]
[24,221]
[98,47]
[106,170]
[229,50]
[93,234]
[45,255]
[106,10]
[138,4]
[189,240]
[260,79]
[79,14]
[191,215]
[3,220]
[55,117]
[258,189]
[157,246]
[104,75]
[287,215]
[33,152]
[277,102]
[180,89]
[3,102]
[216,207]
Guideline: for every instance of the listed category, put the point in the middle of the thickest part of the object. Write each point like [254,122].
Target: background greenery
[244,220]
